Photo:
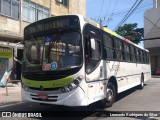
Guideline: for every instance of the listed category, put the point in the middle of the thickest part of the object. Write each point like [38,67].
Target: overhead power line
[133,8]
[142,8]
[101,8]
[113,10]
[108,8]
[101,20]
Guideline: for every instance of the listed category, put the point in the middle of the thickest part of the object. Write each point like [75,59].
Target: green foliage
[131,32]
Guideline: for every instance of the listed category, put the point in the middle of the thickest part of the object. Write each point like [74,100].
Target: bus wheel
[141,86]
[110,96]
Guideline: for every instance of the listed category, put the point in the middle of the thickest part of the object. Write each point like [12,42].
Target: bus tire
[141,86]
[110,96]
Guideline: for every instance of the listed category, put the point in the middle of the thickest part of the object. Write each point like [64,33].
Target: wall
[77,7]
[152,30]
[8,24]
[152,27]
[156,3]
[58,9]
[45,3]
[11,26]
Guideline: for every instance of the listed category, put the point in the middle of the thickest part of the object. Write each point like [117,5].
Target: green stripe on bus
[47,84]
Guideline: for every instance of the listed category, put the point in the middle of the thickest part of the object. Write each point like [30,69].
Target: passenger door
[93,63]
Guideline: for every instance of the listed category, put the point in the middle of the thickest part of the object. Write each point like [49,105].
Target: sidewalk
[155,77]
[14,94]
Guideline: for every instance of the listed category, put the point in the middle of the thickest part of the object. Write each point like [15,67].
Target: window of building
[10,8]
[15,9]
[33,12]
[6,9]
[65,2]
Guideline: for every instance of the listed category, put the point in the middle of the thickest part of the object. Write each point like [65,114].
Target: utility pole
[156,3]
[101,21]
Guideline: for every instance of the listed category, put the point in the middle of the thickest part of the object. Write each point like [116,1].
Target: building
[16,14]
[152,32]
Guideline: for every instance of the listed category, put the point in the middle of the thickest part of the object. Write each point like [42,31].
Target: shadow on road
[127,92]
[61,112]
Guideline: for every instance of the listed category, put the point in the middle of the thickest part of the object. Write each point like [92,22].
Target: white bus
[72,61]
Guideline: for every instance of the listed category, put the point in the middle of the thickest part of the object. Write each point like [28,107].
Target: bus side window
[118,47]
[93,53]
[127,53]
[143,55]
[123,57]
[145,58]
[108,47]
[132,54]
[95,49]
[139,53]
[122,51]
[138,60]
[135,54]
[148,58]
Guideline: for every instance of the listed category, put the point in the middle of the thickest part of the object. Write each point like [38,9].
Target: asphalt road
[131,103]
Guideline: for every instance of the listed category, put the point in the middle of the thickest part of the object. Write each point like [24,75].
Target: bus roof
[98,26]
[110,32]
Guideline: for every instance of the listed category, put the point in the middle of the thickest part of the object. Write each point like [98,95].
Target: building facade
[152,34]
[16,14]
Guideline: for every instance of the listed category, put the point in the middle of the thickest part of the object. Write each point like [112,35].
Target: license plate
[42,96]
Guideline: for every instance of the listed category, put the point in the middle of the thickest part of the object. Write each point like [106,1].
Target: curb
[9,103]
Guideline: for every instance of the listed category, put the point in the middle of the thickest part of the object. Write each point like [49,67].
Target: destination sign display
[52,23]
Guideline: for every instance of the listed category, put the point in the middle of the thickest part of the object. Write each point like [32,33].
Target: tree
[131,32]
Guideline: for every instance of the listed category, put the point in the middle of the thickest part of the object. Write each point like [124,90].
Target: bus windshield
[53,52]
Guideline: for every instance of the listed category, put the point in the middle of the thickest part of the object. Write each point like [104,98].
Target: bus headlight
[72,85]
[63,90]
[23,86]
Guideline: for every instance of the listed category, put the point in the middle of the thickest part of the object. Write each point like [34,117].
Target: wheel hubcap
[142,81]
[109,95]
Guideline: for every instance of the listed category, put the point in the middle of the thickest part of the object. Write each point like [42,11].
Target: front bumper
[75,97]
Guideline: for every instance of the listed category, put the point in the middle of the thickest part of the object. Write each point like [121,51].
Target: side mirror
[88,47]
[93,44]
[16,51]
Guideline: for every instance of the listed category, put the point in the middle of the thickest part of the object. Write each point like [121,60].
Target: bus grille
[50,98]
[45,89]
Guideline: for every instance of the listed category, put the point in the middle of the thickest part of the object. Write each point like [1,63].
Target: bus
[71,60]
